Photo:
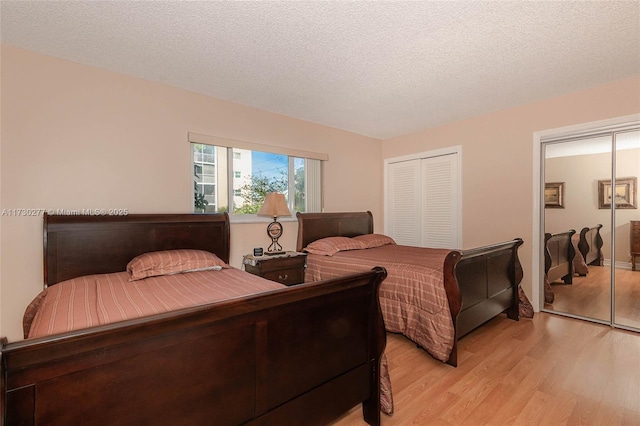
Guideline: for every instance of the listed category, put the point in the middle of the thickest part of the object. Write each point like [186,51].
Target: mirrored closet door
[626,276]
[590,207]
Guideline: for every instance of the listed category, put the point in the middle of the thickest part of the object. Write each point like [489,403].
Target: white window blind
[313,185]
[252,146]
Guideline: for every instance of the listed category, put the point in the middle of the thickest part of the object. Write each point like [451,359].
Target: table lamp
[274,205]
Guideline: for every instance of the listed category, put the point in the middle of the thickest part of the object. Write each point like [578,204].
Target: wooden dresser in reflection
[635,242]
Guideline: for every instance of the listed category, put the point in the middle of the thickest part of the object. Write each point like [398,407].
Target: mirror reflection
[580,250]
[627,230]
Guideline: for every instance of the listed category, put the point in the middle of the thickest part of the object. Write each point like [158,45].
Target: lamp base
[273,253]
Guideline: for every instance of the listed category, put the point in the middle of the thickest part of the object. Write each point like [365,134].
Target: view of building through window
[245,183]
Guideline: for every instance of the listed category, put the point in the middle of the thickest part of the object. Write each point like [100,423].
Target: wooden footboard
[480,283]
[486,284]
[558,257]
[590,245]
[300,355]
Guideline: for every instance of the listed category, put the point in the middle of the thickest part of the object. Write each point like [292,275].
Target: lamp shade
[274,205]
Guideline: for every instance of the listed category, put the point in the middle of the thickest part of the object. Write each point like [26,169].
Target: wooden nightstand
[287,269]
[635,242]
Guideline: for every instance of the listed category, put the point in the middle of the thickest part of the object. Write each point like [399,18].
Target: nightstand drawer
[285,276]
[278,263]
[287,269]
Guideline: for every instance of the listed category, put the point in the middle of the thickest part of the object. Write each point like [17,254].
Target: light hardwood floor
[548,370]
[590,296]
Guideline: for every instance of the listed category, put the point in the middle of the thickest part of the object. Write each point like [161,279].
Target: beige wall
[77,137]
[581,174]
[497,158]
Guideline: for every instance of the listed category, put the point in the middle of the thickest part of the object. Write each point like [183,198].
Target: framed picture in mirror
[554,195]
[624,194]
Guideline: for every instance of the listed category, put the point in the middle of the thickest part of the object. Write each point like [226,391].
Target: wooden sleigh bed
[294,355]
[559,256]
[559,260]
[478,284]
[590,245]
[568,254]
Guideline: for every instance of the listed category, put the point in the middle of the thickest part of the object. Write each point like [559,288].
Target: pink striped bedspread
[412,297]
[106,298]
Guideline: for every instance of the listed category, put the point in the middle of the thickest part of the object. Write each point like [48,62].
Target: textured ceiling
[379,69]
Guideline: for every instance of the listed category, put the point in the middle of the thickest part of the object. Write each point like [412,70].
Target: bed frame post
[3,406]
[517,273]
[558,256]
[371,406]
[590,245]
[455,300]
[598,244]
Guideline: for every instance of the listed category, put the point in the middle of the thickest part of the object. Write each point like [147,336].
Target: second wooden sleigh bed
[568,254]
[480,283]
[294,355]
[590,245]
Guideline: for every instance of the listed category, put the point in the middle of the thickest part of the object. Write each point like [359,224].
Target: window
[235,180]
[206,180]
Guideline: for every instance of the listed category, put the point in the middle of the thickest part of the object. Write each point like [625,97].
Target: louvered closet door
[440,201]
[403,198]
[423,201]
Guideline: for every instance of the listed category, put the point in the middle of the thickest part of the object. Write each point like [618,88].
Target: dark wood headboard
[314,226]
[82,245]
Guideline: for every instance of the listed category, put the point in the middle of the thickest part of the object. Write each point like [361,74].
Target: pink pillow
[332,245]
[374,240]
[169,262]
